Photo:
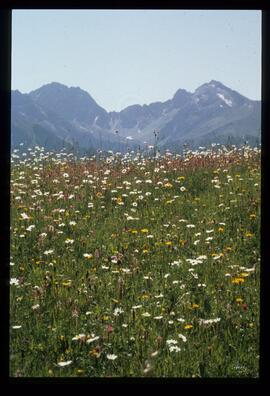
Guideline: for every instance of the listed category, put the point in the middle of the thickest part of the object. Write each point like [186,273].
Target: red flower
[109,329]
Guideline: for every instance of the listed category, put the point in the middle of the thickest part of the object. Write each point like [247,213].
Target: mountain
[57,116]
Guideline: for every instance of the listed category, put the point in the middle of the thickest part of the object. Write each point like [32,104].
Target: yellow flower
[195,306]
[144,230]
[239,300]
[145,297]
[99,194]
[221,229]
[105,317]
[134,231]
[66,284]
[95,352]
[237,281]
[145,251]
[168,185]
[252,216]
[244,274]
[169,202]
[119,200]
[181,178]
[249,235]
[169,243]
[188,326]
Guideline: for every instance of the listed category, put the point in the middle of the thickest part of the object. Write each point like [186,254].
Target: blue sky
[123,57]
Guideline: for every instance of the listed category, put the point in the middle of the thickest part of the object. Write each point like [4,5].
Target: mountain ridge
[71,115]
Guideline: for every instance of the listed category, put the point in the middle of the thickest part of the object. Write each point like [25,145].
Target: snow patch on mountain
[227,101]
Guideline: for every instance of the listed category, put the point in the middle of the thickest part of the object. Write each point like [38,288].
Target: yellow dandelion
[181,178]
[249,234]
[144,230]
[237,281]
[194,306]
[168,185]
[221,229]
[66,284]
[244,274]
[188,326]
[168,243]
[239,300]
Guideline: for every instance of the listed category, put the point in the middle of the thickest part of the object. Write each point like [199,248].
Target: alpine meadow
[135,265]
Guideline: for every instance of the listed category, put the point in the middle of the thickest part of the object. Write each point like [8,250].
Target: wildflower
[136,306]
[239,300]
[209,321]
[238,281]
[79,337]
[144,230]
[16,327]
[118,311]
[35,307]
[171,342]
[111,356]
[30,228]
[88,256]
[173,348]
[95,352]
[24,216]
[63,364]
[50,251]
[182,337]
[182,189]
[146,314]
[188,326]
[69,241]
[14,281]
[90,340]
[67,283]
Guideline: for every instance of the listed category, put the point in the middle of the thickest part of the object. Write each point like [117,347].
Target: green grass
[131,249]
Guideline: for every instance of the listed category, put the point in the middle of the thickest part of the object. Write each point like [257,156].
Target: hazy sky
[123,57]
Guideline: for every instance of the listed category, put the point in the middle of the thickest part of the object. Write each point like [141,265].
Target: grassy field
[139,267]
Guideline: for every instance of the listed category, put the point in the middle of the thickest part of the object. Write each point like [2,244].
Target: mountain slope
[58,116]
